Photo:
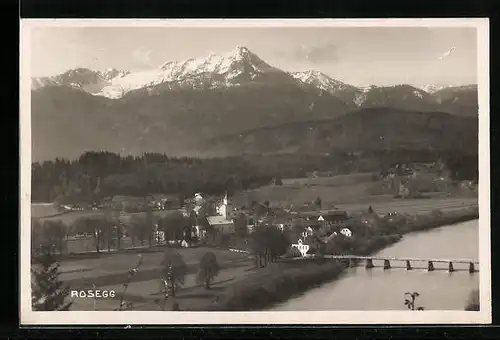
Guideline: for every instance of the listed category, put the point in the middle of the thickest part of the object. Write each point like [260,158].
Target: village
[193,221]
[247,233]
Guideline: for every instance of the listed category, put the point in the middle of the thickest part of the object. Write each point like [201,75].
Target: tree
[139,227]
[108,229]
[277,242]
[48,292]
[317,202]
[258,245]
[240,225]
[174,270]
[149,224]
[174,225]
[94,226]
[36,235]
[131,273]
[292,252]
[119,227]
[54,234]
[208,269]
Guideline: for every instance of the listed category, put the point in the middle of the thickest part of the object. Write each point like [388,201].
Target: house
[326,216]
[303,248]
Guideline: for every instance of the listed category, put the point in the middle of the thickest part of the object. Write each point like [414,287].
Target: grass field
[70,217]
[39,210]
[109,272]
[352,191]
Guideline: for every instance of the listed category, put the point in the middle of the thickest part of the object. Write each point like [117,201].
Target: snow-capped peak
[432,88]
[111,73]
[227,69]
[321,81]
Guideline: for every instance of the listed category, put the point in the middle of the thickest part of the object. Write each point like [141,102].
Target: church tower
[226,208]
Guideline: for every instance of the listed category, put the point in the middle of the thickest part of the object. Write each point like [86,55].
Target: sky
[356,55]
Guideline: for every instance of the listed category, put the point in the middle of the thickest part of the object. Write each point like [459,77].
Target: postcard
[315,171]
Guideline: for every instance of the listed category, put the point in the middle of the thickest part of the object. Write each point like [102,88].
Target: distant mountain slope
[345,92]
[87,80]
[461,100]
[365,129]
[178,106]
[67,122]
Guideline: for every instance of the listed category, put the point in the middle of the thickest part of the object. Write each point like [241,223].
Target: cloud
[142,56]
[317,54]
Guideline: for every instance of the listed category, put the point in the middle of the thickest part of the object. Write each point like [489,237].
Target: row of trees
[102,174]
[110,231]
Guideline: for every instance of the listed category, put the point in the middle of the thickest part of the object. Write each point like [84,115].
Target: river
[378,289]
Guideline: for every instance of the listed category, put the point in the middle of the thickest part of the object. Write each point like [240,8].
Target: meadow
[354,192]
[109,272]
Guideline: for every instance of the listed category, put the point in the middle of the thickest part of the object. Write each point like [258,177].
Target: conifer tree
[48,292]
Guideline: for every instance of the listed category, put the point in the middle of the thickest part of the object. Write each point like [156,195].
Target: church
[224,220]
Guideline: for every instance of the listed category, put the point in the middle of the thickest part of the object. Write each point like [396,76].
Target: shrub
[437,213]
[292,252]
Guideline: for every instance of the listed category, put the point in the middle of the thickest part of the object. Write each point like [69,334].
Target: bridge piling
[450,267]
[471,268]
[408,265]
[430,266]
[387,264]
[369,264]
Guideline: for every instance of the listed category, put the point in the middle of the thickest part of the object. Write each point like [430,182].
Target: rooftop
[213,220]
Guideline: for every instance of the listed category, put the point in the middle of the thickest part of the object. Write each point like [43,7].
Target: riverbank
[284,280]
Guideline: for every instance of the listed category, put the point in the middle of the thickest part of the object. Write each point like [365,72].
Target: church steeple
[225,207]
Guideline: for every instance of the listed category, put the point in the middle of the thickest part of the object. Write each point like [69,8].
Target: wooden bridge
[355,260]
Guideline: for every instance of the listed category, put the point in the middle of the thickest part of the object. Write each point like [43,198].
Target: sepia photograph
[255,171]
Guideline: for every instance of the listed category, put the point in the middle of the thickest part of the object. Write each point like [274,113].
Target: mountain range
[191,107]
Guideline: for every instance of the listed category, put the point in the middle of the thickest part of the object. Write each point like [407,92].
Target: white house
[303,248]
[159,236]
[346,232]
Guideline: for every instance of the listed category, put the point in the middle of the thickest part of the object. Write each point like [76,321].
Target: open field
[413,206]
[70,217]
[343,190]
[39,210]
[110,271]
[88,270]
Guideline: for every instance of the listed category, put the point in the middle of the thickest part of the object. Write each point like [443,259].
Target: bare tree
[174,270]
[410,301]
